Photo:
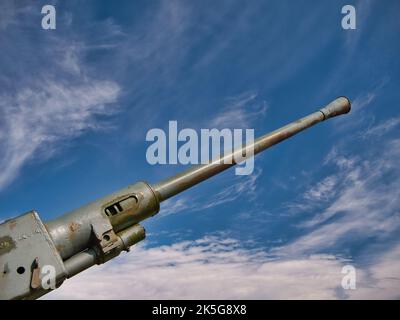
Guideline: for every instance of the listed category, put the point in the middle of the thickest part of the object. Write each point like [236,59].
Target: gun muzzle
[337,107]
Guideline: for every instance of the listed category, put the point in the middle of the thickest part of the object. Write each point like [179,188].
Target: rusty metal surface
[26,247]
[6,244]
[73,232]
[132,235]
[90,257]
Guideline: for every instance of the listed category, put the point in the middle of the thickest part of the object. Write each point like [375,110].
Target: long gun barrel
[36,257]
[176,184]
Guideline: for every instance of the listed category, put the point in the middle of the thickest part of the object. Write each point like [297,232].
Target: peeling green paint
[6,244]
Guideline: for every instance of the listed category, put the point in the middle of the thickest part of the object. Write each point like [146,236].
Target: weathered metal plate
[25,247]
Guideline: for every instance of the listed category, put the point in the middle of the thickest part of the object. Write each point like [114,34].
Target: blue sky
[76,103]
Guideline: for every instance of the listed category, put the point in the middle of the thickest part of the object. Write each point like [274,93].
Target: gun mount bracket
[107,242]
[25,247]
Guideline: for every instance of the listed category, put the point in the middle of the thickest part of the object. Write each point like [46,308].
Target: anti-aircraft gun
[101,230]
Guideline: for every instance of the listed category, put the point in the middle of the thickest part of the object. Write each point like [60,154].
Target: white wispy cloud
[172,206]
[214,267]
[240,111]
[70,61]
[48,98]
[362,101]
[341,161]
[319,192]
[323,190]
[179,271]
[363,10]
[381,279]
[9,10]
[381,128]
[158,43]
[366,203]
[36,119]
[240,187]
